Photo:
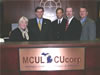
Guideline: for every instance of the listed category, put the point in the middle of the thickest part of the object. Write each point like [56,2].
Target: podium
[9,57]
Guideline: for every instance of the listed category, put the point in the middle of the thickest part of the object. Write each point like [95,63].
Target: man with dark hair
[88,26]
[59,9]
[73,26]
[39,28]
[39,8]
[58,26]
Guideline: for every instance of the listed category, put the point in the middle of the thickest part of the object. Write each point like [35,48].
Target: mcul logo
[48,57]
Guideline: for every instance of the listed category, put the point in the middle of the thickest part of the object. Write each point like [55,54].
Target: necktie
[66,25]
[39,25]
[59,22]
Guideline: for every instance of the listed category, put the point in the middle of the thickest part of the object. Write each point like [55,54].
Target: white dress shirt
[69,20]
[60,20]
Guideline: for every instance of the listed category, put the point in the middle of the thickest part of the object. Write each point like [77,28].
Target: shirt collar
[41,20]
[69,20]
[60,20]
[83,19]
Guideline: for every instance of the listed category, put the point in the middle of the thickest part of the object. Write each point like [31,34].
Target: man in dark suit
[58,26]
[73,26]
[39,28]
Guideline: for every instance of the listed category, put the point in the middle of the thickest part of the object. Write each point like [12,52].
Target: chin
[82,17]
[23,28]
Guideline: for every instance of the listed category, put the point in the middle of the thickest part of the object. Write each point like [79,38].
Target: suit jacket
[35,34]
[16,35]
[74,30]
[88,30]
[98,28]
[58,30]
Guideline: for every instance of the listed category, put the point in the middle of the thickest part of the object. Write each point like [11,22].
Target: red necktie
[66,25]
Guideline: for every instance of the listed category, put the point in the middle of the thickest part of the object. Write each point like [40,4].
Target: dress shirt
[60,20]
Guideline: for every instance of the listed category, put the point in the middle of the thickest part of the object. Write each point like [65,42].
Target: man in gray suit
[88,26]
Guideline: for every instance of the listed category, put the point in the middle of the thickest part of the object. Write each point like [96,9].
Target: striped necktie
[66,25]
[39,25]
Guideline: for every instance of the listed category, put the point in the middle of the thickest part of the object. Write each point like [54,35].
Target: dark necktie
[66,25]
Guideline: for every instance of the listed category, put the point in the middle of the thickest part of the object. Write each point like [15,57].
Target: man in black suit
[58,26]
[73,26]
[39,28]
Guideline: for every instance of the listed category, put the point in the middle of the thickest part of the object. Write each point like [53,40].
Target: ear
[73,13]
[87,13]
[63,13]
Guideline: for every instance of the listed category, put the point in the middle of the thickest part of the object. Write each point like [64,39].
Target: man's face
[69,12]
[59,14]
[83,12]
[39,13]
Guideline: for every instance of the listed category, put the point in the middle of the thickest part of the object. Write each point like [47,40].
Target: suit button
[58,32]
[57,37]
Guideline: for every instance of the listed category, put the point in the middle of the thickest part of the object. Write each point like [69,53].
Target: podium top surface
[52,44]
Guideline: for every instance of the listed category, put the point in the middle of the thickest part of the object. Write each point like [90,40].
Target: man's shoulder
[75,19]
[46,19]
[90,20]
[33,19]
[64,20]
[54,21]
[31,22]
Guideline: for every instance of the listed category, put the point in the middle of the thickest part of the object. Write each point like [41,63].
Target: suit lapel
[63,24]
[42,28]
[71,23]
[43,25]
[84,23]
[36,25]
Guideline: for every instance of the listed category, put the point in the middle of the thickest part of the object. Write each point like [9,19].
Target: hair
[60,9]
[23,18]
[37,8]
[70,7]
[84,7]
